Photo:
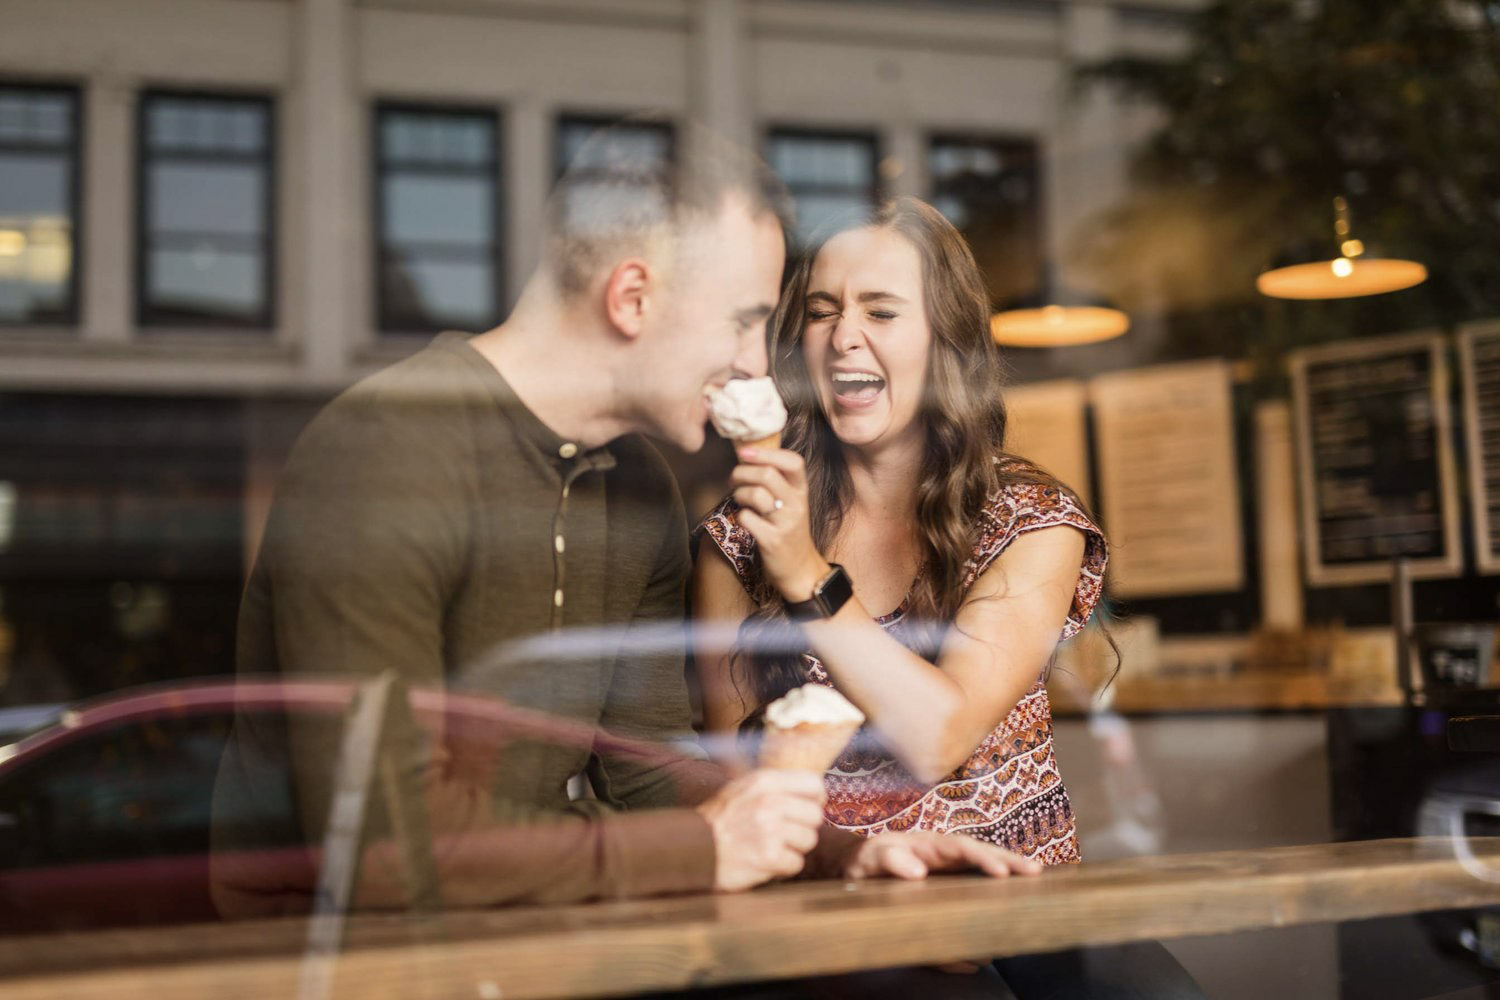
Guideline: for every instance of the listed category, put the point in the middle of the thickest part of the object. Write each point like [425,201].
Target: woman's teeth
[857,385]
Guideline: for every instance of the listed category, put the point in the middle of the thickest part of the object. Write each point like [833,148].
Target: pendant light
[1057,326]
[1346,276]
[1059,317]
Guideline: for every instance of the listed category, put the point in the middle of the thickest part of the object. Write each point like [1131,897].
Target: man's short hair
[616,197]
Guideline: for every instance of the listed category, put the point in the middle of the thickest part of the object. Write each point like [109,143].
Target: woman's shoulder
[722,528]
[1028,493]
[1028,498]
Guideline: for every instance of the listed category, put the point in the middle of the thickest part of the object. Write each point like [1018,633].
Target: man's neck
[541,351]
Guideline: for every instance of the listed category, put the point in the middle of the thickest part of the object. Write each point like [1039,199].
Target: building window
[633,141]
[38,204]
[830,175]
[207,184]
[990,189]
[437,219]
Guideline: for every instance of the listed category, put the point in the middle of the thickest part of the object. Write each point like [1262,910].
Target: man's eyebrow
[752,314]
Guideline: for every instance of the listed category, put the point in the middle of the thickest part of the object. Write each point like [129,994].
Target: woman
[968,566]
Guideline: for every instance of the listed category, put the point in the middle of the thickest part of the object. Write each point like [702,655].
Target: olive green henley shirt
[429,524]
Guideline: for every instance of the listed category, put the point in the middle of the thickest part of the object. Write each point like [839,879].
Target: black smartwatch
[829,594]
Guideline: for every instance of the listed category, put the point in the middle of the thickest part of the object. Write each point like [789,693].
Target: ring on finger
[778,504]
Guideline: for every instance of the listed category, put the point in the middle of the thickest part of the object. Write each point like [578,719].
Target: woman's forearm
[919,710]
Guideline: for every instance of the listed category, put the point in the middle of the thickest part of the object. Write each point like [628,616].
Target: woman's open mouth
[857,389]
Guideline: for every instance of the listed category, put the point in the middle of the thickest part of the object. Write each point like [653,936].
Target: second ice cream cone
[807,728]
[807,747]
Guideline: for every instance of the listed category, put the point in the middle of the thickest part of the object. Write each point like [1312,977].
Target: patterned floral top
[1009,791]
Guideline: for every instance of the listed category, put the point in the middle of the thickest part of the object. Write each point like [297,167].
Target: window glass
[38,205]
[438,221]
[206,221]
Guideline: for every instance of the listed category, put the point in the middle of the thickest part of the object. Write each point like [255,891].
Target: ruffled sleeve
[1021,507]
[737,544]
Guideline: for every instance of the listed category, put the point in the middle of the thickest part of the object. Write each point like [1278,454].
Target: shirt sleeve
[724,530]
[366,539]
[524,859]
[1022,507]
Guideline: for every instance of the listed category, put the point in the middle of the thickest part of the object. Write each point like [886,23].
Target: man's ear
[627,295]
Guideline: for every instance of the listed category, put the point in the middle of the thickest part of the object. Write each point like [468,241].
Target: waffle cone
[769,441]
[805,748]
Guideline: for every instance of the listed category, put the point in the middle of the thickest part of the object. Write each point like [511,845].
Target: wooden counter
[1234,692]
[783,931]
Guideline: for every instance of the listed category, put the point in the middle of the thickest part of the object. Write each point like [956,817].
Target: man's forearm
[556,859]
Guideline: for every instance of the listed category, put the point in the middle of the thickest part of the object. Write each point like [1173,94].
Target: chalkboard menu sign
[1375,464]
[1479,349]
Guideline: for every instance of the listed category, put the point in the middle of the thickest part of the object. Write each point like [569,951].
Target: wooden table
[621,948]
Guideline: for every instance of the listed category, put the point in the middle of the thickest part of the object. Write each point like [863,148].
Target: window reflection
[990,190]
[828,174]
[634,142]
[38,204]
[437,219]
[206,197]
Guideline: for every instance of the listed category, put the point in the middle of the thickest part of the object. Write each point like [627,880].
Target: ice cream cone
[769,441]
[809,747]
[807,728]
[749,411]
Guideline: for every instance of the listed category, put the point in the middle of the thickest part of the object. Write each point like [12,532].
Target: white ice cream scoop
[748,410]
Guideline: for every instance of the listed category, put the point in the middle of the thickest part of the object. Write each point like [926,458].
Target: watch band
[829,595]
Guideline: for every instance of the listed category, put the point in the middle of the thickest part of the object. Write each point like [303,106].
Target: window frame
[388,327]
[71,313]
[151,317]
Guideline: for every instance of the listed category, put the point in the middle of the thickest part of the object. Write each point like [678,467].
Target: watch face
[834,592]
[831,594]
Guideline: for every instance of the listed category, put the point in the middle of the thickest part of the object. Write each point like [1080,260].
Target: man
[494,489]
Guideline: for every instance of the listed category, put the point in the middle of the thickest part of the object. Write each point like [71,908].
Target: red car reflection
[105,816]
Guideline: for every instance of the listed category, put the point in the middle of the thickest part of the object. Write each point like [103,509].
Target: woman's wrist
[799,586]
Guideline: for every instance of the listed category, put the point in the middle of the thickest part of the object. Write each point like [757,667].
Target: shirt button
[557,543]
[565,492]
[557,597]
[568,450]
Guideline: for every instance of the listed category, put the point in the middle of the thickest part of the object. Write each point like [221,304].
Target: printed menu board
[1374,462]
[1479,349]
[1168,485]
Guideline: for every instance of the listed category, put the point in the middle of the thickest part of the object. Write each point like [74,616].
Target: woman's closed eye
[820,315]
[884,315]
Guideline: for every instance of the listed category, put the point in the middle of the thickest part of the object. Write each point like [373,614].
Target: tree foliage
[1274,107]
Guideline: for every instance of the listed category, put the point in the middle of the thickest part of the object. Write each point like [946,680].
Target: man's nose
[753,358]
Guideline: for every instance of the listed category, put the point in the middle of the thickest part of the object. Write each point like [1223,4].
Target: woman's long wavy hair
[962,410]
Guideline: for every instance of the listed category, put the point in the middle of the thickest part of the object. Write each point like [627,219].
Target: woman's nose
[847,335]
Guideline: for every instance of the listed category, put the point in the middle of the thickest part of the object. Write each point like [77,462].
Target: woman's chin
[858,433]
